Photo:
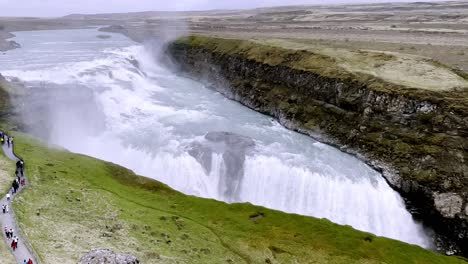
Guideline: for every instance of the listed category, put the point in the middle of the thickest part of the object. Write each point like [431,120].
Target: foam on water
[153,118]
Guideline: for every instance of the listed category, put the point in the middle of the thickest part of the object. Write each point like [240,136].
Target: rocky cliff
[417,138]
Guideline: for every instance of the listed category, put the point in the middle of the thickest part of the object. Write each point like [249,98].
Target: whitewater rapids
[110,99]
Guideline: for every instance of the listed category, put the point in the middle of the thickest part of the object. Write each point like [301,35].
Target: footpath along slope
[9,220]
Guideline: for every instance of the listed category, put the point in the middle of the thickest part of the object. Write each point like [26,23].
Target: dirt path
[8,219]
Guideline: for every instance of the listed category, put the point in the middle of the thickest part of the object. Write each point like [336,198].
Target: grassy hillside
[77,203]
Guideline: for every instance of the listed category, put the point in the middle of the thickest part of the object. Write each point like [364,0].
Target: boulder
[114,29]
[448,204]
[203,154]
[230,139]
[106,256]
[8,45]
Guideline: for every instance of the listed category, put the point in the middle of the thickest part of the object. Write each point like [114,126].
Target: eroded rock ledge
[417,138]
[106,256]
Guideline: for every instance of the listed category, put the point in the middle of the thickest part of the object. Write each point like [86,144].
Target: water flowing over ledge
[109,99]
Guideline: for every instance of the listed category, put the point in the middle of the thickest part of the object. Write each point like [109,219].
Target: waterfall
[109,99]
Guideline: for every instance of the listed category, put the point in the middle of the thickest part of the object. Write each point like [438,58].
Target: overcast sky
[65,7]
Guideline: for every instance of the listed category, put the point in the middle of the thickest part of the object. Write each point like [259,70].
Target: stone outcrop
[114,29]
[105,256]
[448,204]
[233,148]
[7,44]
[417,138]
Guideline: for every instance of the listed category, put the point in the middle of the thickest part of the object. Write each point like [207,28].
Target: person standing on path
[14,187]
[20,167]
[14,243]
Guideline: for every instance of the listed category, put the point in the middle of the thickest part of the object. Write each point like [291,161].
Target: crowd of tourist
[17,183]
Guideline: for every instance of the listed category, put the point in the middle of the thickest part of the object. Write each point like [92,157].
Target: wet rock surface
[232,140]
[5,44]
[418,139]
[9,45]
[114,29]
[233,148]
[203,154]
[106,256]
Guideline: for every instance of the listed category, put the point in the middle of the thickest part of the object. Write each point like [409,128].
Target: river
[108,97]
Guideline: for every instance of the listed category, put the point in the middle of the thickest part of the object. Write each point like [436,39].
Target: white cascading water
[109,99]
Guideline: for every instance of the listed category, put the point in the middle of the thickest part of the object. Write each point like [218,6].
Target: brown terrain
[438,30]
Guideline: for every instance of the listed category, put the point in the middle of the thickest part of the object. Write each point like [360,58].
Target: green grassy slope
[76,203]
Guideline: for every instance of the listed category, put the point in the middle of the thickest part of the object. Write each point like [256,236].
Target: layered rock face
[105,256]
[417,138]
